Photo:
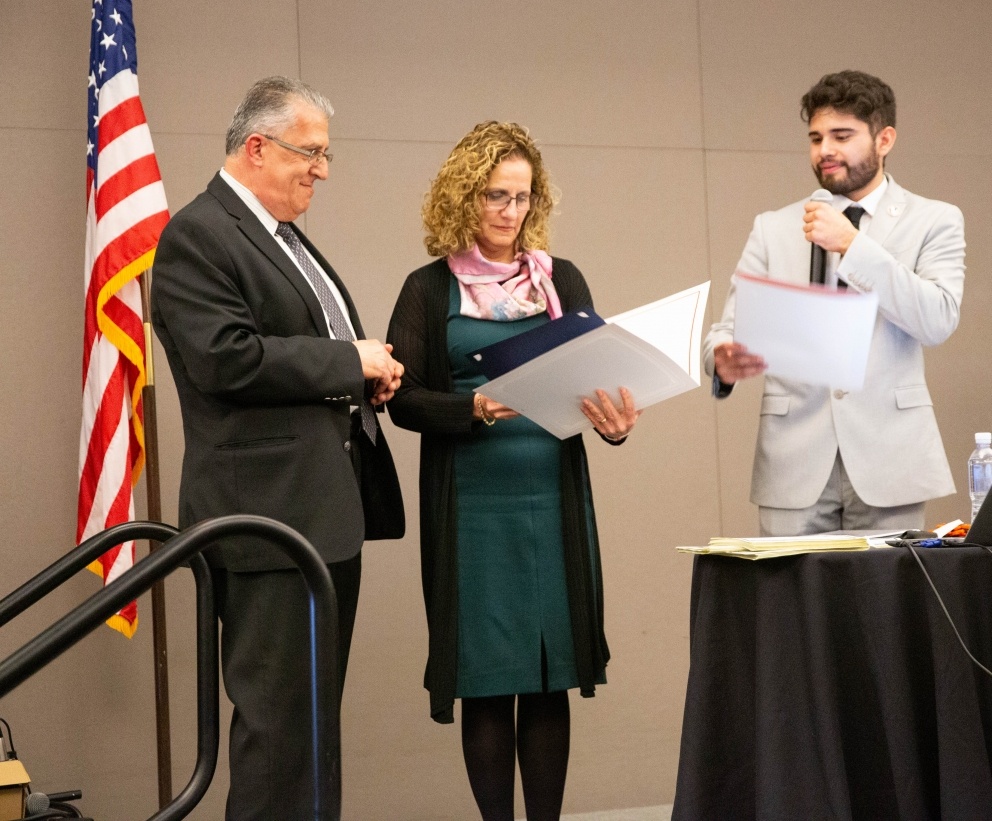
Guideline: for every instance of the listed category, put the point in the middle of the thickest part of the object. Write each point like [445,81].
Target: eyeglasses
[498,200]
[313,155]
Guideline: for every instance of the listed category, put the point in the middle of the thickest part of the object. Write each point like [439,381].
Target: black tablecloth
[831,686]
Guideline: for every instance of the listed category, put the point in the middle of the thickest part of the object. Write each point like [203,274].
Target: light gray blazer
[912,256]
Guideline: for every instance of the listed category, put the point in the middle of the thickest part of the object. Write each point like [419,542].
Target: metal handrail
[325,726]
[33,590]
[207,698]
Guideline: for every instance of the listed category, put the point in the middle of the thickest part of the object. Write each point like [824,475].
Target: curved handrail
[208,677]
[207,699]
[33,590]
[325,727]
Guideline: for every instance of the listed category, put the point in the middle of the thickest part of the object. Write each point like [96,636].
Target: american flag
[125,213]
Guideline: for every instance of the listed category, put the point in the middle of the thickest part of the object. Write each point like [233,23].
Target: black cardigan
[425,403]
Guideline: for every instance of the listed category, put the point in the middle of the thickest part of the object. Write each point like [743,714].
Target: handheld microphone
[818,255]
[38,803]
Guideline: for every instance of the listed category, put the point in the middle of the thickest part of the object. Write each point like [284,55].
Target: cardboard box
[13,790]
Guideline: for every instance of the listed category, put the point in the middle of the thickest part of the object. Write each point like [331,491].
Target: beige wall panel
[594,74]
[759,58]
[187,163]
[631,219]
[36,38]
[739,186]
[196,60]
[386,707]
[957,371]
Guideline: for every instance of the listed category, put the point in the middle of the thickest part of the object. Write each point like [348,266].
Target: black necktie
[854,214]
[335,317]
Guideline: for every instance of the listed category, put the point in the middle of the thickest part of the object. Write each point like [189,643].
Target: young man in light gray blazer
[830,459]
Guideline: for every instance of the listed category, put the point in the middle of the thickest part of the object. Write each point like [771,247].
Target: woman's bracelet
[487,418]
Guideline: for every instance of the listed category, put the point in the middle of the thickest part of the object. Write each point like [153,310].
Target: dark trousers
[265,661]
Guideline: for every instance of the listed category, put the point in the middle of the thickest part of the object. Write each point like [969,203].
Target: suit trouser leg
[265,660]
[838,508]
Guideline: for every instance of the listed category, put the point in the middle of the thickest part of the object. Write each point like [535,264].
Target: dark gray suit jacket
[265,392]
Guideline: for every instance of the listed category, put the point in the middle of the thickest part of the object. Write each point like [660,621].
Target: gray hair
[269,106]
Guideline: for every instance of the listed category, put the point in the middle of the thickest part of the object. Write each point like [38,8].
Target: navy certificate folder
[502,357]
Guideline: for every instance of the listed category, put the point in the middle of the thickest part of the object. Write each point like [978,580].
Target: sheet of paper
[672,325]
[811,334]
[652,350]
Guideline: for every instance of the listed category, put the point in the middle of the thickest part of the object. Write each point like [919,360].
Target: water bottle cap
[984,438]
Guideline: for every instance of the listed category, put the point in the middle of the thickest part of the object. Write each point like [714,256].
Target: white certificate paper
[652,350]
[807,333]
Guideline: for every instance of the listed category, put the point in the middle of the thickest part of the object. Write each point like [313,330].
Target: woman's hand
[488,410]
[609,421]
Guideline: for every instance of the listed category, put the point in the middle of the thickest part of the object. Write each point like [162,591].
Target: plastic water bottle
[980,471]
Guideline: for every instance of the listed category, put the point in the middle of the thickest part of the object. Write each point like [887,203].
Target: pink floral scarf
[505,291]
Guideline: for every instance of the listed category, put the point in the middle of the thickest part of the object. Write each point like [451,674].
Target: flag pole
[154,492]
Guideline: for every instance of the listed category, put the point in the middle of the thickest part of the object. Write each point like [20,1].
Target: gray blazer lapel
[890,209]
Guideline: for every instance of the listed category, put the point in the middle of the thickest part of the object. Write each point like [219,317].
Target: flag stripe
[118,120]
[117,90]
[135,175]
[104,441]
[126,217]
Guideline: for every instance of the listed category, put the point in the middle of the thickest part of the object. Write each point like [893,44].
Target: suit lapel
[890,210]
[255,232]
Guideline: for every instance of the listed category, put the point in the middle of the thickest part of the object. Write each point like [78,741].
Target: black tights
[492,746]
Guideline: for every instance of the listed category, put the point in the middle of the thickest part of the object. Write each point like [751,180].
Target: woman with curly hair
[509,552]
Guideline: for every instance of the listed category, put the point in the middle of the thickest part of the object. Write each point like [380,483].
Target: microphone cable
[940,601]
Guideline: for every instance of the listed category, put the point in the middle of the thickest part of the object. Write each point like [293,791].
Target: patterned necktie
[335,317]
[854,214]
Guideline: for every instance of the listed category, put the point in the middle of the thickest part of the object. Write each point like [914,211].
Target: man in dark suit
[276,384]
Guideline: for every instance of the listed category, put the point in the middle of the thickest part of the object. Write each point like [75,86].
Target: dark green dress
[428,404]
[514,626]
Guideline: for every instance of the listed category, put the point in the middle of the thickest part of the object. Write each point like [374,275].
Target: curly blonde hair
[453,207]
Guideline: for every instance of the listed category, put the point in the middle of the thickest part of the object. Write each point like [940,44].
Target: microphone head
[822,195]
[36,803]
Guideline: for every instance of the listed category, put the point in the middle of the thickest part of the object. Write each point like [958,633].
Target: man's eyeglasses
[498,200]
[313,155]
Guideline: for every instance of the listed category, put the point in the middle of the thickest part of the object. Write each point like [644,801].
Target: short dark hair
[853,92]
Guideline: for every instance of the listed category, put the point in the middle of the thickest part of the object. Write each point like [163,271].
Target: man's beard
[858,176]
